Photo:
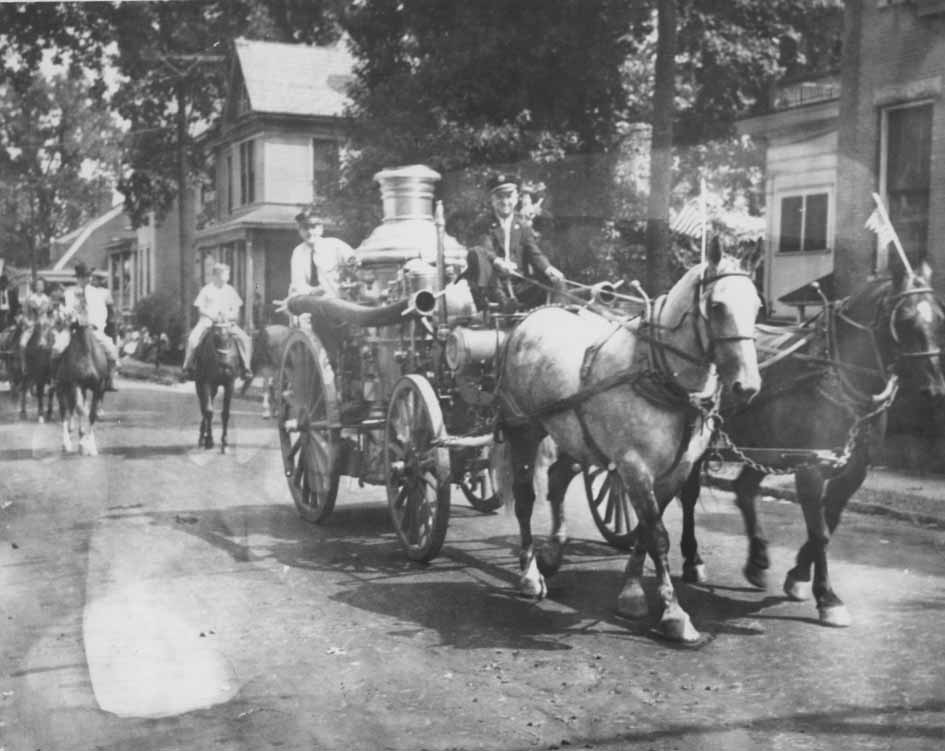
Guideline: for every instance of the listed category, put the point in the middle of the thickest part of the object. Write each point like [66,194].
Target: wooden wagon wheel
[475,479]
[418,470]
[309,426]
[610,506]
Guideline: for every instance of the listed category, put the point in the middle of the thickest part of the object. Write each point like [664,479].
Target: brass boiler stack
[398,261]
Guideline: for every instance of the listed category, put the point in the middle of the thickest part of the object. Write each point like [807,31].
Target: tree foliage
[57,150]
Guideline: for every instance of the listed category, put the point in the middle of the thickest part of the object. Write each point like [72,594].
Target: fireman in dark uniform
[504,253]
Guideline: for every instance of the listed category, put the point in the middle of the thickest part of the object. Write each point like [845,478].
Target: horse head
[728,305]
[225,355]
[911,329]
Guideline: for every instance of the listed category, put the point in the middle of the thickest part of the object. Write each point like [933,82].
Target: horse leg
[560,475]
[838,491]
[81,412]
[746,498]
[675,623]
[523,444]
[91,446]
[693,566]
[24,391]
[267,398]
[225,414]
[211,394]
[65,415]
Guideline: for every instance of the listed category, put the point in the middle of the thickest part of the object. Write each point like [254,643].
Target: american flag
[879,224]
[690,218]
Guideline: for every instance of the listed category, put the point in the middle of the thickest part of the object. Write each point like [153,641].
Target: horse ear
[714,254]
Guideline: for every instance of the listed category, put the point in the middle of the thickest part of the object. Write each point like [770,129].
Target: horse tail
[500,461]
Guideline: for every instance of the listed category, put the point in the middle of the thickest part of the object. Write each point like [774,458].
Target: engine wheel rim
[610,506]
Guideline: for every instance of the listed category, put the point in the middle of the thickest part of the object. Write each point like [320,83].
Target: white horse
[637,396]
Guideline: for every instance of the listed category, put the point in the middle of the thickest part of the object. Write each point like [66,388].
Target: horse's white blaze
[924,312]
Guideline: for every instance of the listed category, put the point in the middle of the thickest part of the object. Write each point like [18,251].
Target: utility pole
[658,260]
[185,271]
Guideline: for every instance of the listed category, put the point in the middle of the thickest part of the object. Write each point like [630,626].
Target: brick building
[876,125]
[891,136]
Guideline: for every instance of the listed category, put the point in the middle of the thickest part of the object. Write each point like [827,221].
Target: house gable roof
[292,79]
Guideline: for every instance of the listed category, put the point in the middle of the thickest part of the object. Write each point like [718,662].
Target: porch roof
[270,216]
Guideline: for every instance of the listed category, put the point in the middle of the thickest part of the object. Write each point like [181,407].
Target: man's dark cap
[502,181]
[308,217]
[81,269]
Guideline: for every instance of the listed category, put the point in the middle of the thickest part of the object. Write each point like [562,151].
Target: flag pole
[895,237]
[704,217]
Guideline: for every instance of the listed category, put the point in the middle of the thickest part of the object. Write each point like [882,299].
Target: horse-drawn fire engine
[403,394]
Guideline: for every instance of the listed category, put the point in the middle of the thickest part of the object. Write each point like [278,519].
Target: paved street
[161,597]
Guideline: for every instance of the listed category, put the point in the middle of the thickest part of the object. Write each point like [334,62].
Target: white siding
[287,169]
[795,166]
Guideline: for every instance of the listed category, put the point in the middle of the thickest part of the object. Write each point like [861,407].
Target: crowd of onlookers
[141,344]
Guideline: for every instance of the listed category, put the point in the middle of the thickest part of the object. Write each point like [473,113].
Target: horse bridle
[892,304]
[897,302]
[714,338]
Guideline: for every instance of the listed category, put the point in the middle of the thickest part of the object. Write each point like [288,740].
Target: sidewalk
[919,499]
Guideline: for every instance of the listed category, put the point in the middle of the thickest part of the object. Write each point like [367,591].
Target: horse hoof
[694,573]
[836,616]
[678,627]
[533,588]
[756,576]
[41,419]
[631,603]
[549,558]
[796,589]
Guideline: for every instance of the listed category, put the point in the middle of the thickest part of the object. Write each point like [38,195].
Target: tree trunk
[659,275]
[183,226]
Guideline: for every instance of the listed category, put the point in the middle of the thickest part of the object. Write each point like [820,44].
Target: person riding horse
[37,312]
[504,253]
[9,303]
[218,302]
[86,305]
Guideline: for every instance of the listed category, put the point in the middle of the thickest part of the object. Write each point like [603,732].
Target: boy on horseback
[504,253]
[86,305]
[37,311]
[218,302]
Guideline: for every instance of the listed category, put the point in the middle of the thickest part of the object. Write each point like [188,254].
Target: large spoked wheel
[309,426]
[476,481]
[418,470]
[610,506]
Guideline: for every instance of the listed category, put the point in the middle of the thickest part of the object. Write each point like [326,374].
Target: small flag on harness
[880,225]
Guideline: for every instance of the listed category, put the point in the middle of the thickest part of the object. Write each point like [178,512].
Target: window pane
[908,156]
[909,139]
[791,222]
[815,222]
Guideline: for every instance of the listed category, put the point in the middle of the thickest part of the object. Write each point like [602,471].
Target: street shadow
[874,722]
[357,541]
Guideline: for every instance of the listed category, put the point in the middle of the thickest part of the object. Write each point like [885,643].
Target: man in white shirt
[87,305]
[317,261]
[218,302]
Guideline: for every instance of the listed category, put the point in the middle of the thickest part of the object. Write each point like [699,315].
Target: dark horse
[829,394]
[81,375]
[216,363]
[37,370]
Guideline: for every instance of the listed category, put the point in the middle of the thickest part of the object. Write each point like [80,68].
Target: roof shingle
[296,79]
